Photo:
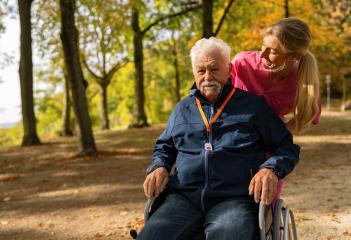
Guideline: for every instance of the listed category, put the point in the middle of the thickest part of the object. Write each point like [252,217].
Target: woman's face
[273,54]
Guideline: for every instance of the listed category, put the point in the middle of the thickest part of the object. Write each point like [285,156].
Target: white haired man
[217,139]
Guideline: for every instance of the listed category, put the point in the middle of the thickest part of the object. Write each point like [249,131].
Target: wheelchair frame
[277,223]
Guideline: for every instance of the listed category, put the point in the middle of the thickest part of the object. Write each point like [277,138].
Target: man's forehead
[210,63]
[208,60]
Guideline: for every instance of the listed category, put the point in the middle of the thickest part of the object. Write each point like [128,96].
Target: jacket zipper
[209,139]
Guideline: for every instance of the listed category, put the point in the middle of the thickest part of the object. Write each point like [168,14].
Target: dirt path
[46,192]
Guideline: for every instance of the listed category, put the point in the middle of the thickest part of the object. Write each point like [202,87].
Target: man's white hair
[206,45]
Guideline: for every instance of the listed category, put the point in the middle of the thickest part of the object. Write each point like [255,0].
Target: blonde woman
[284,73]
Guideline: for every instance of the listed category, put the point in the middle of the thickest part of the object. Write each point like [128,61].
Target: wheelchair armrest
[148,207]
[265,219]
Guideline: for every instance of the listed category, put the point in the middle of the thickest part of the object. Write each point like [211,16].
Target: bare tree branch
[93,95]
[223,17]
[115,68]
[98,78]
[168,17]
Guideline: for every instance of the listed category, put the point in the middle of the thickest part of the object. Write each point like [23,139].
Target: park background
[73,166]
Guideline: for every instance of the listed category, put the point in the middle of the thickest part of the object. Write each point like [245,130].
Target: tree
[140,119]
[176,67]
[69,38]
[30,136]
[335,16]
[207,18]
[3,9]
[225,13]
[66,111]
[104,52]
[286,8]
[51,70]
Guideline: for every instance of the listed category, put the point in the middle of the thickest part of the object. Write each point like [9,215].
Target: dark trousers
[177,218]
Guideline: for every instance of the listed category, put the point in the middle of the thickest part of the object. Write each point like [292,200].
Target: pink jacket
[249,74]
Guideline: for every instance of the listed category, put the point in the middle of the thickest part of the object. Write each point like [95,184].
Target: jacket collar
[194,91]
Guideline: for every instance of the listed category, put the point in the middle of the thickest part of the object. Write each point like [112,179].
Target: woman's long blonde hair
[295,37]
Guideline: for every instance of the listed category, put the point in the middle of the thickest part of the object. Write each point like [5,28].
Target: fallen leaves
[302,218]
[123,213]
[136,224]
[5,177]
[7,199]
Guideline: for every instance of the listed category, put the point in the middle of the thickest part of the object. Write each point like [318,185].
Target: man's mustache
[210,84]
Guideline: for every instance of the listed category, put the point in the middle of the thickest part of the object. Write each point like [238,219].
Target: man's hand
[264,185]
[155,182]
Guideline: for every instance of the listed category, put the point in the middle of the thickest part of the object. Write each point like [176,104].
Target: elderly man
[217,139]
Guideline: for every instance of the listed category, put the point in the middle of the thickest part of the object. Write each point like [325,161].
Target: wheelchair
[276,221]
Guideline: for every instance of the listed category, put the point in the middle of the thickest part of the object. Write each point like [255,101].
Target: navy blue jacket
[244,132]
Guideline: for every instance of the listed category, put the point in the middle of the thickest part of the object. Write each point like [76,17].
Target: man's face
[211,72]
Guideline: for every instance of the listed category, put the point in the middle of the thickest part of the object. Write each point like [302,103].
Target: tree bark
[66,111]
[207,18]
[69,38]
[30,136]
[104,112]
[226,11]
[176,68]
[286,7]
[104,81]
[140,119]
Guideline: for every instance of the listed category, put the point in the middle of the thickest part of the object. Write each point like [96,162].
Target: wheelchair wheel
[265,221]
[284,223]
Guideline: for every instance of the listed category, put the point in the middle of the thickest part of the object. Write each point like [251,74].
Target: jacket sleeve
[277,141]
[165,152]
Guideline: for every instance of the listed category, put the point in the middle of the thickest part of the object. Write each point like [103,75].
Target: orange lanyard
[208,124]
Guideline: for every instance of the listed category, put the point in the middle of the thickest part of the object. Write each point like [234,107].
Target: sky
[10,100]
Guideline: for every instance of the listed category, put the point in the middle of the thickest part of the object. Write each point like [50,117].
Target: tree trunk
[286,7]
[207,18]
[30,136]
[66,116]
[69,38]
[104,113]
[176,68]
[140,119]
[343,102]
